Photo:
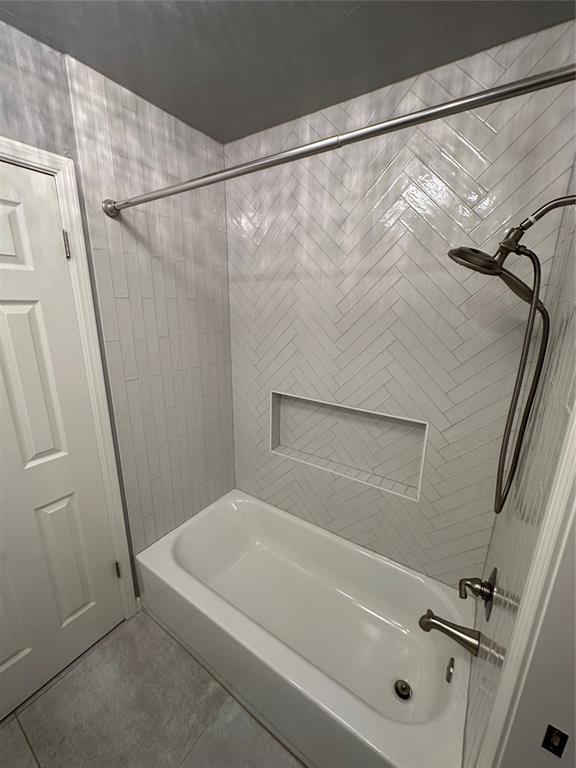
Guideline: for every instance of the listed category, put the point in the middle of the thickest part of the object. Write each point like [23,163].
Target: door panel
[58,589]
[65,554]
[29,382]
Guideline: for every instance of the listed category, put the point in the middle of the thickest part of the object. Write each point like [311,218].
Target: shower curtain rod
[473,101]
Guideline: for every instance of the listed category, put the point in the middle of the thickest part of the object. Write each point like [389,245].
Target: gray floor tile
[138,700]
[237,740]
[14,749]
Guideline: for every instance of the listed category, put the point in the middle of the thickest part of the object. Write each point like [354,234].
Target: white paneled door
[58,589]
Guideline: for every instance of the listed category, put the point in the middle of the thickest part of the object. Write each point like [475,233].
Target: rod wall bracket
[109,208]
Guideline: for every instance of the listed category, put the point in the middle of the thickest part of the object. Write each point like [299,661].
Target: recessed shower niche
[373,448]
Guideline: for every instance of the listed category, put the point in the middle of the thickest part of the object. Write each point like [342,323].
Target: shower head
[492,265]
[520,288]
[483,262]
[476,260]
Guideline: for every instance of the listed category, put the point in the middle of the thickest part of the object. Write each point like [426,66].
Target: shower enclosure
[370,378]
[238,596]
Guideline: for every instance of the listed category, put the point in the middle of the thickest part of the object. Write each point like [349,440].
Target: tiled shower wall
[516,529]
[341,290]
[339,259]
[162,285]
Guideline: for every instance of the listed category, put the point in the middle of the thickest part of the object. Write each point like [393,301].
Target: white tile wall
[162,285]
[517,527]
[341,290]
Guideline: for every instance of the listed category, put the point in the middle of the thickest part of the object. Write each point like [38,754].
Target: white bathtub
[310,632]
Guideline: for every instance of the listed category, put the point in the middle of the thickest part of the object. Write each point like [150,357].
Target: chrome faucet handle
[478,588]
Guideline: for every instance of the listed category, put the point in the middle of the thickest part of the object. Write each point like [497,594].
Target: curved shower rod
[112,208]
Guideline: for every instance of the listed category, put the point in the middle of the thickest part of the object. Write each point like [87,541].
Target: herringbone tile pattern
[341,290]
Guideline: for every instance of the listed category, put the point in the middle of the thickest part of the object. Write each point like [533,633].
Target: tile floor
[137,699]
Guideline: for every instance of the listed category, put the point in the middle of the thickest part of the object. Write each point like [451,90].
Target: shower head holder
[510,242]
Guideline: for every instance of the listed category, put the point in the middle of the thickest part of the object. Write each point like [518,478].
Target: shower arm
[558,202]
[514,235]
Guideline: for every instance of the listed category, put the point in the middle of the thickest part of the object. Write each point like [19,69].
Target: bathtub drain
[403,690]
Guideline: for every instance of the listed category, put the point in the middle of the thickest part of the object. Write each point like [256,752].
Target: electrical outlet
[555,740]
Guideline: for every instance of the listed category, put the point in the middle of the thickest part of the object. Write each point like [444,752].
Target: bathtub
[310,632]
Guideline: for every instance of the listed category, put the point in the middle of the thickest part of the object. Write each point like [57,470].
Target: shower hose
[503,485]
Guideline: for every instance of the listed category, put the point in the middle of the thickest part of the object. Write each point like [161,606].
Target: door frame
[558,517]
[63,171]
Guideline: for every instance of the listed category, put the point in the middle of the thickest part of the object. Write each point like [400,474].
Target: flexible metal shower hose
[503,486]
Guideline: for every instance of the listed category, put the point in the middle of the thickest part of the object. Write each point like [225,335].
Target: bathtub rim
[461,609]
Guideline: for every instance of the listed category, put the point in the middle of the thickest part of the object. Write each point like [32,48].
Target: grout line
[30,747]
[197,739]
[65,671]
[231,694]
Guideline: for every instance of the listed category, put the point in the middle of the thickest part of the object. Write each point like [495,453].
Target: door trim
[63,171]
[558,516]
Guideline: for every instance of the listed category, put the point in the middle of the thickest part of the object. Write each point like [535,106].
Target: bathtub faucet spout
[467,638]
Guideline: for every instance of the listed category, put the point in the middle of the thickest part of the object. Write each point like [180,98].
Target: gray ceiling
[231,68]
